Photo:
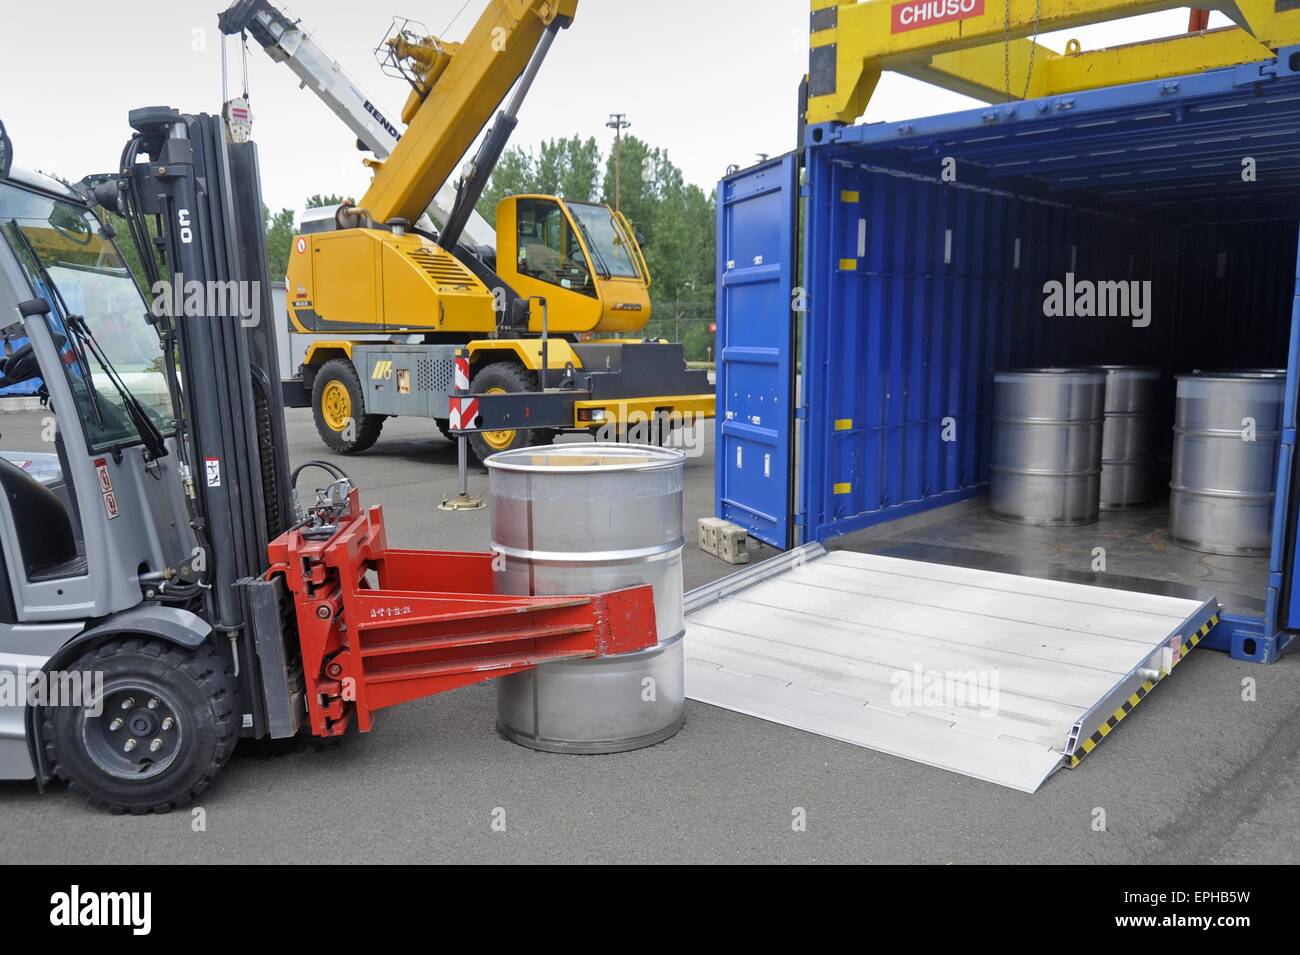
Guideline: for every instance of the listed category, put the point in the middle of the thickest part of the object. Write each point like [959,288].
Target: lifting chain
[1006,48]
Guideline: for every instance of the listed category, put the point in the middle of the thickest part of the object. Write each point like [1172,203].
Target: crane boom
[287,40]
[456,90]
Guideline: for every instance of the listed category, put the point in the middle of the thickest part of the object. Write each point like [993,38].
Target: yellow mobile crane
[561,271]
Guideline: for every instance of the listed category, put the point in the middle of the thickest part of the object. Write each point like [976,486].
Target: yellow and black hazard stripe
[1089,744]
[1199,635]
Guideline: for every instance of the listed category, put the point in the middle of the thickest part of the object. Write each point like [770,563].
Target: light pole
[618,122]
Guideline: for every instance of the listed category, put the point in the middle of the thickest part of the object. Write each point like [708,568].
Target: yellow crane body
[363,281]
[369,280]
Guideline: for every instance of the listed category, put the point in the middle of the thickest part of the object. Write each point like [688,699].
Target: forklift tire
[175,726]
[338,406]
[505,377]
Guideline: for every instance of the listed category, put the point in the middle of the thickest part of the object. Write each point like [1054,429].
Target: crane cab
[582,257]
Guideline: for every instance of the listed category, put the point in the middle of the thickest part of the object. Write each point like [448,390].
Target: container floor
[1139,554]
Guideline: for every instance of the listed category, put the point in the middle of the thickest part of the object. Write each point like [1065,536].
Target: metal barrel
[583,518]
[1129,436]
[1047,427]
[1227,428]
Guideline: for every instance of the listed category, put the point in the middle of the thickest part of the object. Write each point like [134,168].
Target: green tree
[634,176]
[568,168]
[580,178]
[697,342]
[514,174]
[279,239]
[125,247]
[318,201]
[676,221]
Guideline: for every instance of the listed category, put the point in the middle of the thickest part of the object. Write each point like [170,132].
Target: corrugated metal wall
[919,290]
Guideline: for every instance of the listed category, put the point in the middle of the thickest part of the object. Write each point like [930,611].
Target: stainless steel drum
[582,518]
[1047,425]
[1227,426]
[1129,437]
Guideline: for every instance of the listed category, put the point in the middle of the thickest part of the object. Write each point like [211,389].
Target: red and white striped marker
[462,410]
[461,382]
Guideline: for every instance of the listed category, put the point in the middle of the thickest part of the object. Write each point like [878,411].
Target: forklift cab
[86,543]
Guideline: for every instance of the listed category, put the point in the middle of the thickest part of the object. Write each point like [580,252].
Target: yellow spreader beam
[974,47]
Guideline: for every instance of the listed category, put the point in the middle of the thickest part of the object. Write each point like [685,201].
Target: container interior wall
[931,286]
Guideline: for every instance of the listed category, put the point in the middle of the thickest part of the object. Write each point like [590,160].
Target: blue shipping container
[926,246]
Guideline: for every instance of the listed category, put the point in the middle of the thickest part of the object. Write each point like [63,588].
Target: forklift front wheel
[339,407]
[157,733]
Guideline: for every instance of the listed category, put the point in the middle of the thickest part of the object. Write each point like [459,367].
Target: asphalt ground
[1196,774]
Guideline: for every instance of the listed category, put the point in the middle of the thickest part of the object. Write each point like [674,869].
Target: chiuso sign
[926,13]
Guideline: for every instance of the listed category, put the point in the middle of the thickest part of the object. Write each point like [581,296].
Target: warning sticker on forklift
[101,471]
[110,505]
[927,13]
[212,467]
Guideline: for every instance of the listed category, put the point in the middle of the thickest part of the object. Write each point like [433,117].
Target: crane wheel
[338,405]
[160,732]
[505,377]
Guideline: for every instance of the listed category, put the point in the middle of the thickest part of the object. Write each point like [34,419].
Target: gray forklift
[170,567]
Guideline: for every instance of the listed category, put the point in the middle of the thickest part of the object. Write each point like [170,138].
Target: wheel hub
[336,405]
[135,734]
[497,440]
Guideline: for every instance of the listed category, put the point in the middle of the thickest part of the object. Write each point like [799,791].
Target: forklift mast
[206,196]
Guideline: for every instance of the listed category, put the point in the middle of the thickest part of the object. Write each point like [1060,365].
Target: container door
[755,347]
[1283,594]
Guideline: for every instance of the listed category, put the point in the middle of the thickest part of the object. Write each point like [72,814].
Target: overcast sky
[712,81]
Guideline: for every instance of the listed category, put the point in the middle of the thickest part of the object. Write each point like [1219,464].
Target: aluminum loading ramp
[996,676]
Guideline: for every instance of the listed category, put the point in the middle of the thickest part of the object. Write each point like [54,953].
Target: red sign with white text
[927,13]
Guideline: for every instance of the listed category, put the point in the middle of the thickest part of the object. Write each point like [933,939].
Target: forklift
[170,565]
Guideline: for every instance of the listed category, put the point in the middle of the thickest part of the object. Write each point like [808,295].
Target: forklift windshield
[61,244]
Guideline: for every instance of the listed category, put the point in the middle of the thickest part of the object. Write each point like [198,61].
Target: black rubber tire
[511,377]
[200,687]
[368,426]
